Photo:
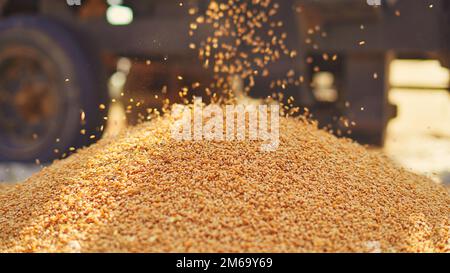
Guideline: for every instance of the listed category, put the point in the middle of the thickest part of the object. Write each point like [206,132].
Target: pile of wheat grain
[143,191]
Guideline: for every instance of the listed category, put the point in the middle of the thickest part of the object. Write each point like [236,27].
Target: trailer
[56,57]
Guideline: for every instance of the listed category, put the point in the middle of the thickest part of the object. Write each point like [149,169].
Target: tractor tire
[51,86]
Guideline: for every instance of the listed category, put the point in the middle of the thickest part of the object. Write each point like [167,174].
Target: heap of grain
[144,191]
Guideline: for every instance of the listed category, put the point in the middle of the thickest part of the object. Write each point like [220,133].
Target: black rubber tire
[81,86]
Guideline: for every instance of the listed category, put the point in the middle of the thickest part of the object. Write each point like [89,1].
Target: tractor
[56,58]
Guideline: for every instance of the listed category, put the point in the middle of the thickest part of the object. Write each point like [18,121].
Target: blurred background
[72,72]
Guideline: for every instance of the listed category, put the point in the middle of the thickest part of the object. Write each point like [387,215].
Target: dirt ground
[419,138]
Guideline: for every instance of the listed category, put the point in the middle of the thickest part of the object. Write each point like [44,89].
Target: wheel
[51,86]
[356,89]
[368,96]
